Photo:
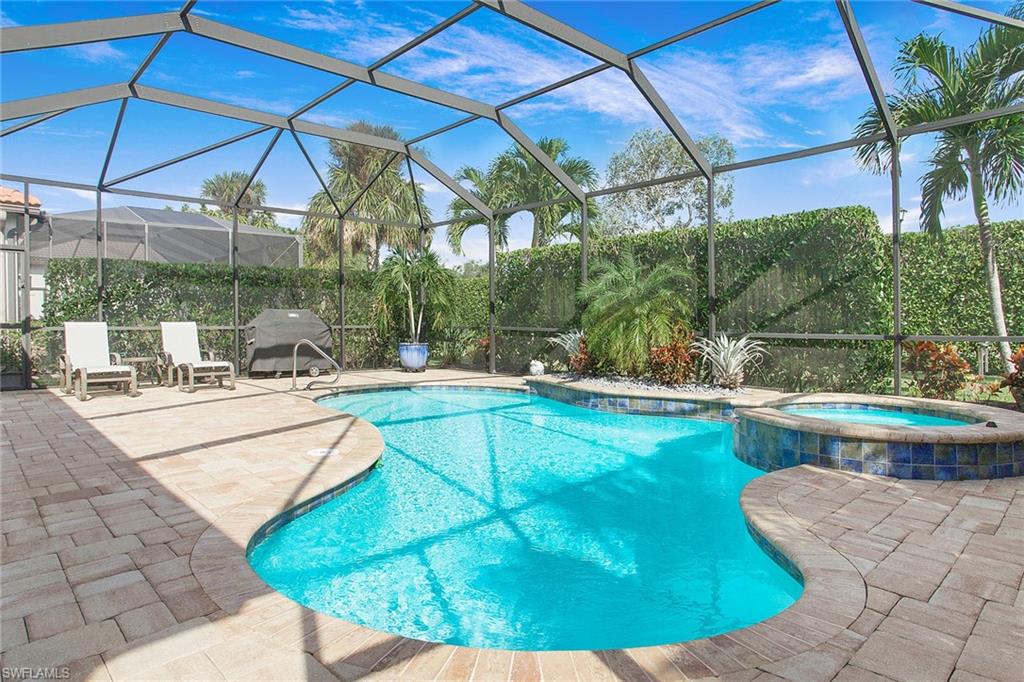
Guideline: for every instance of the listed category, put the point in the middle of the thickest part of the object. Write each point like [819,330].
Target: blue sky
[781,79]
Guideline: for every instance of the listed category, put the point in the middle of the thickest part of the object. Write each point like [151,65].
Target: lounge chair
[181,353]
[87,360]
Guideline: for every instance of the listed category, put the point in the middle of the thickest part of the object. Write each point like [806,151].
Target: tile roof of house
[14,197]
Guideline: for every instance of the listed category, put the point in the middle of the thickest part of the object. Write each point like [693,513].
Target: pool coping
[834,592]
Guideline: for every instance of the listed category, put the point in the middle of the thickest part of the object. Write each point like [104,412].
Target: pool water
[865,415]
[506,520]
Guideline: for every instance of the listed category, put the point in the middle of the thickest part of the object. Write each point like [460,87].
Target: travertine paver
[125,520]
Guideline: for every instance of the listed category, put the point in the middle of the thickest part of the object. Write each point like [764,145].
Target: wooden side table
[145,366]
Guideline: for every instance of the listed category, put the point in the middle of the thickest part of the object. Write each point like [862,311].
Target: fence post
[233,254]
[897,315]
[584,240]
[100,246]
[491,298]
[341,287]
[26,294]
[712,295]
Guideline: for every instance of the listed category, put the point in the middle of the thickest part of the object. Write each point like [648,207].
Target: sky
[778,80]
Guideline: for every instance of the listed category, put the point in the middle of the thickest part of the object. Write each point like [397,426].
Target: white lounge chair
[181,353]
[87,360]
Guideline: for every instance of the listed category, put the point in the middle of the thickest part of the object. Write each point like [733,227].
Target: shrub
[582,362]
[674,362]
[938,369]
[1015,380]
[632,307]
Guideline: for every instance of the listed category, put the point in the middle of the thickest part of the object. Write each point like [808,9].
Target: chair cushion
[212,364]
[109,369]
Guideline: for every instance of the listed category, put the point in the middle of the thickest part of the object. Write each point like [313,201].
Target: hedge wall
[816,271]
[827,270]
[944,288]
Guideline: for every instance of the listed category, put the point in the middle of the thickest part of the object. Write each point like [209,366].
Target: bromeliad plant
[397,286]
[727,359]
[632,308]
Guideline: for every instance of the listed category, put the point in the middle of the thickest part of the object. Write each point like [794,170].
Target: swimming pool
[872,415]
[508,520]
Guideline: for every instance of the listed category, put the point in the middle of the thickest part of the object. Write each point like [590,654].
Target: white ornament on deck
[536,368]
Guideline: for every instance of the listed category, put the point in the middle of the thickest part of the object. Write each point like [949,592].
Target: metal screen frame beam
[569,80]
[113,142]
[553,28]
[256,169]
[23,38]
[449,182]
[974,13]
[207,106]
[860,50]
[531,148]
[667,117]
[63,101]
[254,42]
[189,155]
[28,124]
[312,167]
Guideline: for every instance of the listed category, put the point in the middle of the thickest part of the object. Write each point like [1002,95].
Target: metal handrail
[325,356]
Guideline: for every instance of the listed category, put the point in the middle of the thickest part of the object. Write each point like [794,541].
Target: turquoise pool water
[512,521]
[864,415]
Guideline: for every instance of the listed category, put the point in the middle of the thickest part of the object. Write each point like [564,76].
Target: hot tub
[887,436]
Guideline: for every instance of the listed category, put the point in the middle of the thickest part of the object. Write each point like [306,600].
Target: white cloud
[97,53]
[732,93]
[274,106]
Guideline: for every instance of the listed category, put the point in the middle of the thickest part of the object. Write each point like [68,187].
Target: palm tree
[981,159]
[630,308]
[402,275]
[513,178]
[224,188]
[389,199]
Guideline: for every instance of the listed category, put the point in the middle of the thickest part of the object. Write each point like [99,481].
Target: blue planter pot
[413,356]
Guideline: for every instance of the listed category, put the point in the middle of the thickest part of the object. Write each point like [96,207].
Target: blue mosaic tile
[923,472]
[901,470]
[967,473]
[945,454]
[876,468]
[855,465]
[829,446]
[966,454]
[874,452]
[945,473]
[922,453]
[899,453]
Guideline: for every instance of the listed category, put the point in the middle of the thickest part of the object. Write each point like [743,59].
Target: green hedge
[827,270]
[944,288]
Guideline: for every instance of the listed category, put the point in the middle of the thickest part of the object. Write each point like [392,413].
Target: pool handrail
[325,356]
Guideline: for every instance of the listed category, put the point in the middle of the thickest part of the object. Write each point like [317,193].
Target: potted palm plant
[408,286]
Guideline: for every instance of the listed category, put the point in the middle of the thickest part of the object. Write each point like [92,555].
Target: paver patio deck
[125,520]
